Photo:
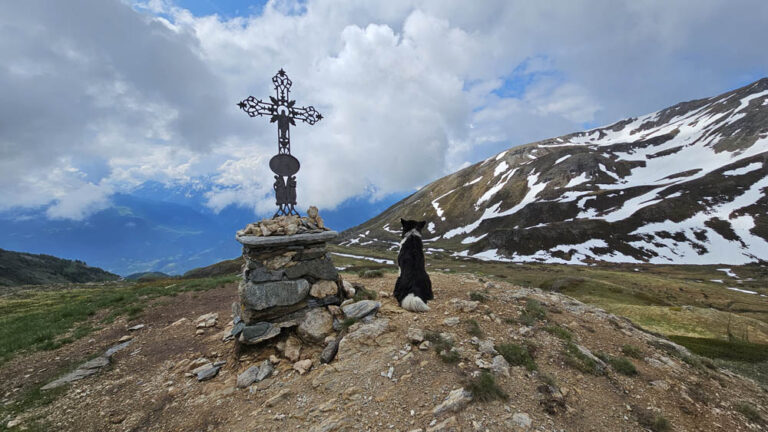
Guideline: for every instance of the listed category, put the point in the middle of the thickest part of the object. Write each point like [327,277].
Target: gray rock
[456,401]
[500,366]
[329,352]
[237,328]
[271,294]
[70,377]
[321,268]
[261,274]
[360,309]
[486,347]
[448,425]
[415,335]
[97,363]
[600,364]
[451,321]
[265,370]
[111,351]
[206,374]
[317,324]
[520,421]
[258,333]
[311,253]
[325,301]
[248,377]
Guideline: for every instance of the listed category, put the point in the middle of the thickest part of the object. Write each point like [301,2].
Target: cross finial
[284,112]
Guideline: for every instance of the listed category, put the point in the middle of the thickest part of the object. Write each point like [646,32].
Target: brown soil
[145,389]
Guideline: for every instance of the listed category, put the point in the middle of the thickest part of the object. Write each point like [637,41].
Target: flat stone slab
[259,241]
[270,294]
[360,309]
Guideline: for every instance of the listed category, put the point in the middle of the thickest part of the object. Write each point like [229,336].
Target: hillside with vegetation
[19,268]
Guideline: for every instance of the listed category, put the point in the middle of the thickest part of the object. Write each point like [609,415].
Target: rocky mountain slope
[18,268]
[682,185]
[489,356]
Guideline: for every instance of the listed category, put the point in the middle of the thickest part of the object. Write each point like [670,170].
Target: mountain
[18,268]
[683,185]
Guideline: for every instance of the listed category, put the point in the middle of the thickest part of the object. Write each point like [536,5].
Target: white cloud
[101,96]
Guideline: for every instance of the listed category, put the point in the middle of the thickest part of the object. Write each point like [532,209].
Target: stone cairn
[291,284]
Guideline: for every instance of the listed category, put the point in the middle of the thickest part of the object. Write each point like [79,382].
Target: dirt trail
[145,389]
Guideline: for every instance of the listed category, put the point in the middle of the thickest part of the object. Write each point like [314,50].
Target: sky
[101,97]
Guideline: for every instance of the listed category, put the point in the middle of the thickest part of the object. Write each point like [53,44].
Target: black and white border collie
[413,288]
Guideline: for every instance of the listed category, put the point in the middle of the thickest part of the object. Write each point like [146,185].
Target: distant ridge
[683,185]
[19,268]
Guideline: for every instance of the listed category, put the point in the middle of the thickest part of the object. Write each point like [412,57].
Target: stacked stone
[289,282]
[286,225]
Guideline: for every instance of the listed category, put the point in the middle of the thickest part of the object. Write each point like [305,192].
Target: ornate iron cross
[283,111]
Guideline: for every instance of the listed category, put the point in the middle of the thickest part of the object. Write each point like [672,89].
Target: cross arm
[306,114]
[256,107]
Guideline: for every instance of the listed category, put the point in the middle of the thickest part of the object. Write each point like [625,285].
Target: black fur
[413,277]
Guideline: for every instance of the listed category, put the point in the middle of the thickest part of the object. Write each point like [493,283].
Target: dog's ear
[402,222]
[420,225]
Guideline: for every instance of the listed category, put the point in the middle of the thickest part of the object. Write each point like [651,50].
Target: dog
[413,288]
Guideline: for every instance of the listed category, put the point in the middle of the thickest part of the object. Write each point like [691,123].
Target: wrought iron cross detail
[283,111]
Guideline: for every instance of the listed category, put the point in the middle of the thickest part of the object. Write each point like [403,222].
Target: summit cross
[283,111]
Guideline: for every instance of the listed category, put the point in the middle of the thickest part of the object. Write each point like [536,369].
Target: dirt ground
[146,387]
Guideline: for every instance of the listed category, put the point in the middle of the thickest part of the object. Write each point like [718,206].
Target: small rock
[199,332]
[463,305]
[303,366]
[136,327]
[312,212]
[520,421]
[13,423]
[201,368]
[349,289]
[456,401]
[500,366]
[448,425]
[360,309]
[334,310]
[116,417]
[451,321]
[179,322]
[207,320]
[265,370]
[292,348]
[415,335]
[283,394]
[209,373]
[424,345]
[486,347]
[274,359]
[125,338]
[248,377]
[330,351]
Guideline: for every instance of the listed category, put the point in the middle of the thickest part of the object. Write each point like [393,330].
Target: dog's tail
[414,304]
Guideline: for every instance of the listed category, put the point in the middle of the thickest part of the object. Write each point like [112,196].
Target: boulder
[317,324]
[259,332]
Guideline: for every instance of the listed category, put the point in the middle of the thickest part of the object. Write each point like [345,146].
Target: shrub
[517,355]
[485,389]
[623,366]
[443,347]
[548,379]
[370,274]
[651,420]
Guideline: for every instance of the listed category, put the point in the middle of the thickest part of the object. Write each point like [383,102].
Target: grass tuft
[517,355]
[443,347]
[533,312]
[577,360]
[485,389]
[559,332]
[363,293]
[473,328]
[649,419]
[478,296]
[632,351]
[749,411]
